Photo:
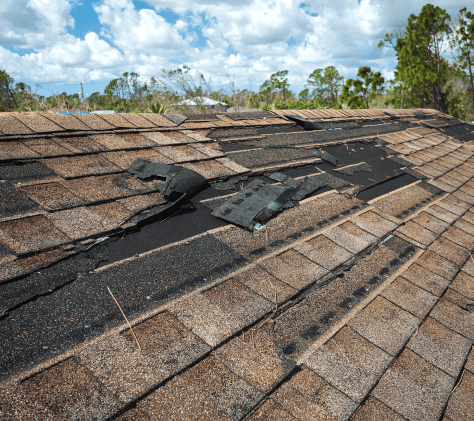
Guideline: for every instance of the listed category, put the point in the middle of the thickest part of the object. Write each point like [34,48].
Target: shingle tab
[70,392]
[12,126]
[350,363]
[15,150]
[31,234]
[414,388]
[68,122]
[77,166]
[39,124]
[106,187]
[207,391]
[385,325]
[52,196]
[440,346]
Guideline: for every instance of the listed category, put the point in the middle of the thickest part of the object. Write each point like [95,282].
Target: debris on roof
[178,180]
[254,204]
[326,157]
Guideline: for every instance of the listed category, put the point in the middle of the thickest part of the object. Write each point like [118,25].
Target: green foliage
[278,82]
[420,64]
[325,85]
[369,87]
[463,43]
[304,95]
[158,108]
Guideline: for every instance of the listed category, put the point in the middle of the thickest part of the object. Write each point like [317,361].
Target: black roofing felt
[463,133]
[84,309]
[202,117]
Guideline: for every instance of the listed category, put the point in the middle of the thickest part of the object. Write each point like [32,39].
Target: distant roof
[203,100]
[283,265]
[73,112]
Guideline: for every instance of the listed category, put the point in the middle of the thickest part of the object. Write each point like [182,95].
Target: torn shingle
[255,203]
[176,118]
[179,180]
[326,157]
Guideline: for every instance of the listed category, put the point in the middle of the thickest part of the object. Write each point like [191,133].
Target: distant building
[208,102]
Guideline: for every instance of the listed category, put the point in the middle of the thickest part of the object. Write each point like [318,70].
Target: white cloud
[139,31]
[34,23]
[247,39]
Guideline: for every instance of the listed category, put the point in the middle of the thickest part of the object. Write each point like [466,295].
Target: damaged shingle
[255,203]
[326,157]
[178,180]
[176,118]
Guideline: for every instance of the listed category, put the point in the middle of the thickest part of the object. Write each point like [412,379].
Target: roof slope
[295,264]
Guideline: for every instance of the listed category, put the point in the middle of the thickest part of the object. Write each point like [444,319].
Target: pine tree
[369,87]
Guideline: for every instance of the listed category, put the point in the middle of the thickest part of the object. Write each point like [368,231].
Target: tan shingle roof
[358,302]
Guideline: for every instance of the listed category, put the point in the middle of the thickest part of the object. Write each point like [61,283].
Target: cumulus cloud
[139,31]
[249,39]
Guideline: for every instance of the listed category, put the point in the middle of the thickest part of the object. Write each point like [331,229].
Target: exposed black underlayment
[322,307]
[351,169]
[84,309]
[384,187]
[249,115]
[463,133]
[233,132]
[262,158]
[176,224]
[45,280]
[382,168]
[202,117]
[327,125]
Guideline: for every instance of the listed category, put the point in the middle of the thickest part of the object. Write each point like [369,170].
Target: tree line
[423,79]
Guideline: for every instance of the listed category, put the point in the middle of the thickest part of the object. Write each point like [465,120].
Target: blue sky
[60,43]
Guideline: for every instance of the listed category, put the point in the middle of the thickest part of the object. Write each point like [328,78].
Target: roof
[203,100]
[285,265]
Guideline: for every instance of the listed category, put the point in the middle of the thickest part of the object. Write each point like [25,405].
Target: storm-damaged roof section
[245,264]
[178,180]
[254,204]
